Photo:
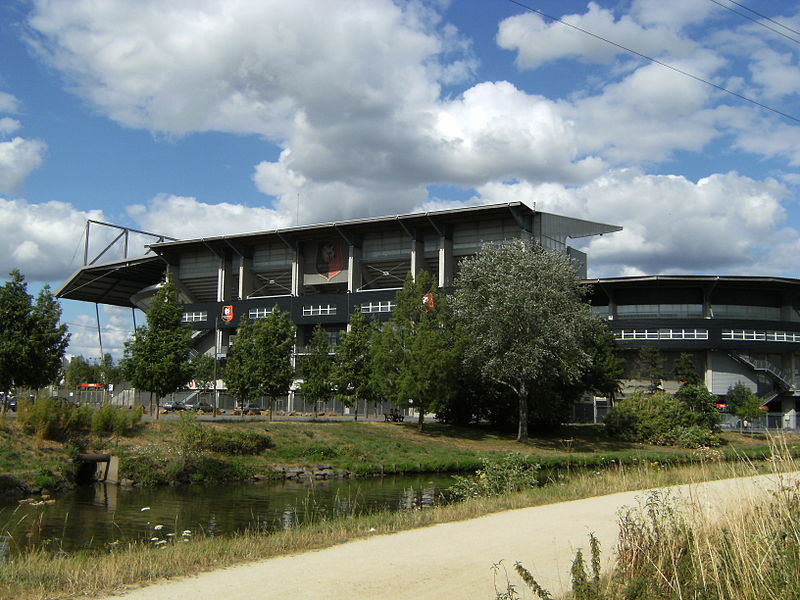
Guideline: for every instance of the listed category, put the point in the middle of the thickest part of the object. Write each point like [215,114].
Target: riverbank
[454,560]
[170,451]
[40,575]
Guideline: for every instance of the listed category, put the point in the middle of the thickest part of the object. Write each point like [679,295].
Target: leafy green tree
[352,367]
[80,371]
[745,404]
[32,342]
[317,369]
[260,362]
[157,358]
[108,372]
[685,371]
[203,371]
[522,309]
[701,403]
[650,366]
[606,368]
[415,355]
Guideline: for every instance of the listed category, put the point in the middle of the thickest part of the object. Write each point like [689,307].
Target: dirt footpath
[451,560]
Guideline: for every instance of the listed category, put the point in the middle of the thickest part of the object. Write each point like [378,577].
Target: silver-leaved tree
[528,328]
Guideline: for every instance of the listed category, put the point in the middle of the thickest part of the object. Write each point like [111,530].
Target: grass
[39,575]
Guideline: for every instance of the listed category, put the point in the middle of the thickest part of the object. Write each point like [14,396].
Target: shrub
[45,479]
[661,419]
[114,419]
[198,437]
[502,474]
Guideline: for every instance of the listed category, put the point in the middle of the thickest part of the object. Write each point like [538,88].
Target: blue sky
[202,117]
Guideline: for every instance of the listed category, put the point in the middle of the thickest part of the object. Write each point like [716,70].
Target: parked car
[11,404]
[200,405]
[173,405]
[250,406]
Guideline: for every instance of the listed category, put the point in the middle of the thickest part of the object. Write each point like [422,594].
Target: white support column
[445,262]
[709,371]
[245,277]
[297,271]
[223,277]
[354,276]
[417,257]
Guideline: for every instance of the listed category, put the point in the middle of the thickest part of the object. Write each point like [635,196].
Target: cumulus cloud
[18,158]
[116,326]
[725,223]
[42,240]
[184,217]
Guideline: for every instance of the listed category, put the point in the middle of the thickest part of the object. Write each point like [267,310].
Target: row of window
[692,311]
[661,334]
[755,335]
[382,306]
[749,335]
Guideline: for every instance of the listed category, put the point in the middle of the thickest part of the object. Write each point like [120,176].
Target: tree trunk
[421,419]
[522,432]
[271,407]
[356,413]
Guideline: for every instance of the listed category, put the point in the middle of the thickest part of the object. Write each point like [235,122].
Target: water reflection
[104,516]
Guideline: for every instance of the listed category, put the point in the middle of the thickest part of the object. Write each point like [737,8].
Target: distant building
[737,329]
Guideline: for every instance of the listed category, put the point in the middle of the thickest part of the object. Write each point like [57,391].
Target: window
[749,335]
[319,310]
[259,313]
[660,311]
[194,317]
[661,334]
[736,311]
[753,335]
[383,306]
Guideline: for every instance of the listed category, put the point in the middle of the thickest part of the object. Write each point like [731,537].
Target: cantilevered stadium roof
[115,282]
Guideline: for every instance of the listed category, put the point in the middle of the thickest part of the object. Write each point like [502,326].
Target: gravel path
[448,561]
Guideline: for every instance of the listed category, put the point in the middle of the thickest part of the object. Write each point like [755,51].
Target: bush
[500,475]
[662,419]
[197,437]
[114,419]
[45,479]
[51,418]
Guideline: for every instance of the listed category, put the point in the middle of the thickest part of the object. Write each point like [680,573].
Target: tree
[685,371]
[415,356]
[606,369]
[317,369]
[157,358]
[260,362]
[32,341]
[701,403]
[80,371]
[523,311]
[352,368]
[744,403]
[650,366]
[108,372]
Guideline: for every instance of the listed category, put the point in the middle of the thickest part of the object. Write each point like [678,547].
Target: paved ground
[448,561]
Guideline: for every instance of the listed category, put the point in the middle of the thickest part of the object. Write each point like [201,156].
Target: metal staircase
[778,375]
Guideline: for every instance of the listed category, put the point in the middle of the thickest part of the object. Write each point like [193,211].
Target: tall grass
[39,574]
[747,548]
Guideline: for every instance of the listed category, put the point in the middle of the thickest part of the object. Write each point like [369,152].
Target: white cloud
[8,103]
[41,240]
[8,125]
[116,326]
[183,217]
[538,41]
[725,223]
[18,158]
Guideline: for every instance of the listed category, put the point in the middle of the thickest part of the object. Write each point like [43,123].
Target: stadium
[736,328]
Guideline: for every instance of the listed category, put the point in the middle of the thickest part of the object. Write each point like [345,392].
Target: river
[102,516]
